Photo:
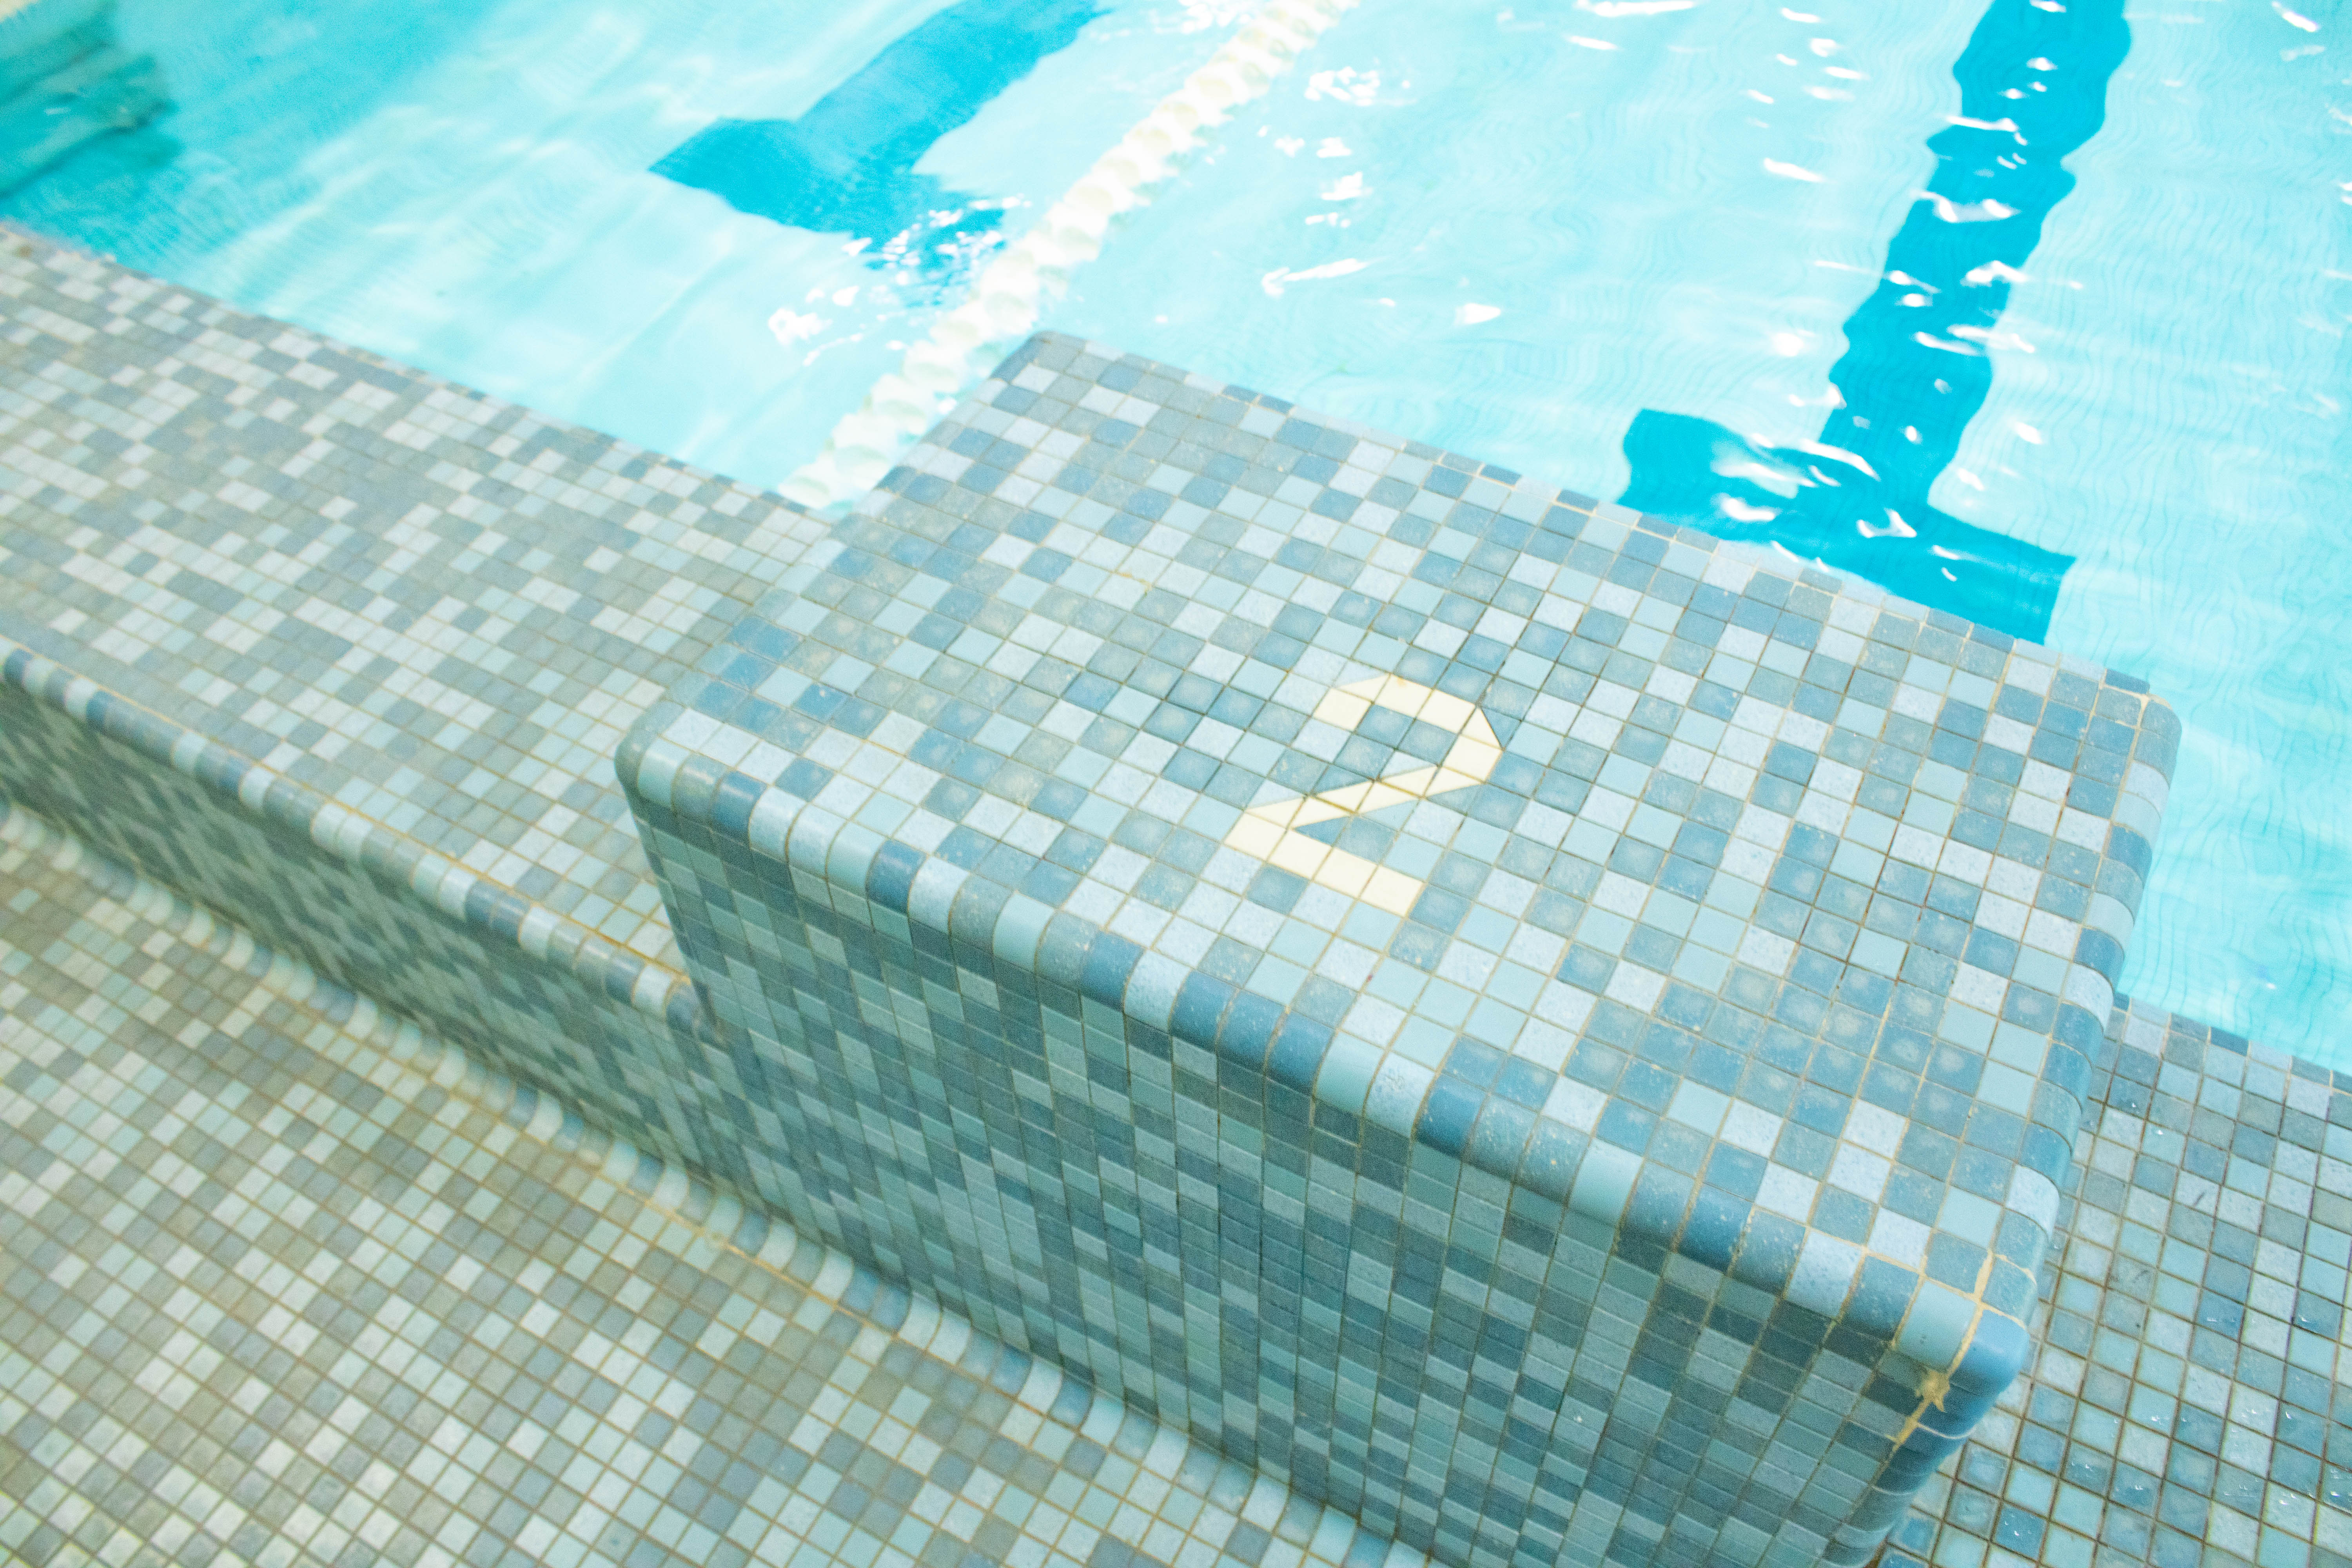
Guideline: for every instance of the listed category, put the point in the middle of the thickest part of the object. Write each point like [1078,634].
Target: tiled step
[244,1200]
[281,1281]
[1555,1033]
[432,610]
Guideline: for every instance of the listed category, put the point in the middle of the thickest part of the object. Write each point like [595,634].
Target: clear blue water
[469,186]
[1705,256]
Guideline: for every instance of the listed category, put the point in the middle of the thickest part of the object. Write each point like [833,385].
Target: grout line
[1006,299]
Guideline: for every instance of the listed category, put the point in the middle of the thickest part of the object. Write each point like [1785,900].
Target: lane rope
[1005,301]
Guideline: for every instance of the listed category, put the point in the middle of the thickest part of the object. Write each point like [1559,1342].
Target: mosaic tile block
[1558,1037]
[227,821]
[341,651]
[617,1036]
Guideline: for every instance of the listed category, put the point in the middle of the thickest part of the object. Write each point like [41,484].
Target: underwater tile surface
[277,1285]
[2190,1402]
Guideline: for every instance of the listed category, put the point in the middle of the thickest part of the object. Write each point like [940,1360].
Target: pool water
[470,188]
[1793,272]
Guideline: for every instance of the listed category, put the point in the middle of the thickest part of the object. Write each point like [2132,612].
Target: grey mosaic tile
[1560,1036]
[283,1282]
[1157,1200]
[340,650]
[425,615]
[2190,1401]
[165,1084]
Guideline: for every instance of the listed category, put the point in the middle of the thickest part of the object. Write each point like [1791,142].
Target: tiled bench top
[1729,905]
[437,610]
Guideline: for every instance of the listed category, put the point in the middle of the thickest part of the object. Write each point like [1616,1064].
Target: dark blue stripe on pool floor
[847,166]
[2033,82]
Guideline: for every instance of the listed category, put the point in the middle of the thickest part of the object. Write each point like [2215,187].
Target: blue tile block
[1561,1049]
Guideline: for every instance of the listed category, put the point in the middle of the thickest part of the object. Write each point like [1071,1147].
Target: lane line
[2032,81]
[1007,298]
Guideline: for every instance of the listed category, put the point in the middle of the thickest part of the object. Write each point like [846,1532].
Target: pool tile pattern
[612,1034]
[431,612]
[238,1204]
[341,651]
[2181,1403]
[1561,1037]
[283,1282]
[2190,1402]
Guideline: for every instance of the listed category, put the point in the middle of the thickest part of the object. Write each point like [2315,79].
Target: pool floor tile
[280,1283]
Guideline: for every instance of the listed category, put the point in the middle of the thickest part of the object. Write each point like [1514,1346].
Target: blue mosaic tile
[426,614]
[287,1281]
[806,1412]
[2190,1395]
[341,651]
[1560,1036]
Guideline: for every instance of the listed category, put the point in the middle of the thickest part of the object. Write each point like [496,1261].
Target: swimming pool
[1631,244]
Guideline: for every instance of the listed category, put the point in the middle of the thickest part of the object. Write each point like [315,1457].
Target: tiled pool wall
[104,770]
[407,624]
[337,1294]
[378,814]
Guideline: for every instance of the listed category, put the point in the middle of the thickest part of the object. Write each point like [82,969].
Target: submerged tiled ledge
[1560,1037]
[64,82]
[343,650]
[435,612]
[2190,1402]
